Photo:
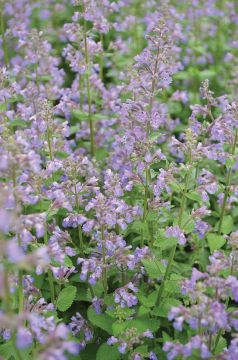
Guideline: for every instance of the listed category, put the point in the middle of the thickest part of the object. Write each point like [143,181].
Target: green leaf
[66,298]
[138,227]
[80,115]
[103,321]
[207,74]
[187,223]
[163,242]
[84,116]
[149,300]
[175,187]
[195,196]
[123,313]
[107,352]
[141,324]
[153,268]
[215,241]
[68,262]
[172,287]
[7,351]
[166,337]
[143,310]
[74,129]
[203,258]
[18,122]
[227,224]
[222,343]
[82,293]
[165,307]
[142,349]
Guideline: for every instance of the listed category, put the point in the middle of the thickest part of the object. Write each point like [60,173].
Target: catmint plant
[118,180]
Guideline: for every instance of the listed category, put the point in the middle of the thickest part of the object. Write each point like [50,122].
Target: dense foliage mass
[118,176]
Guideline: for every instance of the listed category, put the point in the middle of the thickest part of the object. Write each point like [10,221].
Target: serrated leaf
[165,306]
[222,344]
[143,310]
[195,196]
[153,268]
[172,287]
[7,351]
[139,227]
[80,115]
[119,327]
[163,242]
[187,223]
[142,349]
[227,224]
[113,313]
[82,293]
[166,336]
[215,241]
[107,352]
[18,122]
[150,300]
[103,321]
[68,262]
[66,298]
[175,187]
[141,324]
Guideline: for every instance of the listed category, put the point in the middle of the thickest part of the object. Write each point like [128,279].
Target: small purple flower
[125,296]
[152,356]
[148,334]
[112,340]
[122,348]
[176,232]
[24,338]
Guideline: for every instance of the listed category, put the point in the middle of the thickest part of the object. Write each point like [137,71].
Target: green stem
[80,234]
[226,305]
[105,287]
[210,342]
[17,351]
[37,78]
[148,175]
[6,291]
[145,208]
[50,276]
[92,144]
[20,272]
[146,194]
[227,185]
[49,144]
[20,291]
[173,250]
[4,43]
[123,276]
[7,305]
[81,93]
[166,275]
[101,57]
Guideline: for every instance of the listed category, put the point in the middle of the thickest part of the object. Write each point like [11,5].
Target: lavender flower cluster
[118,180]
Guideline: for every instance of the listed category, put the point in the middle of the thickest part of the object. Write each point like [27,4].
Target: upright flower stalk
[50,276]
[20,272]
[180,219]
[87,75]
[227,183]
[104,271]
[80,234]
[2,31]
